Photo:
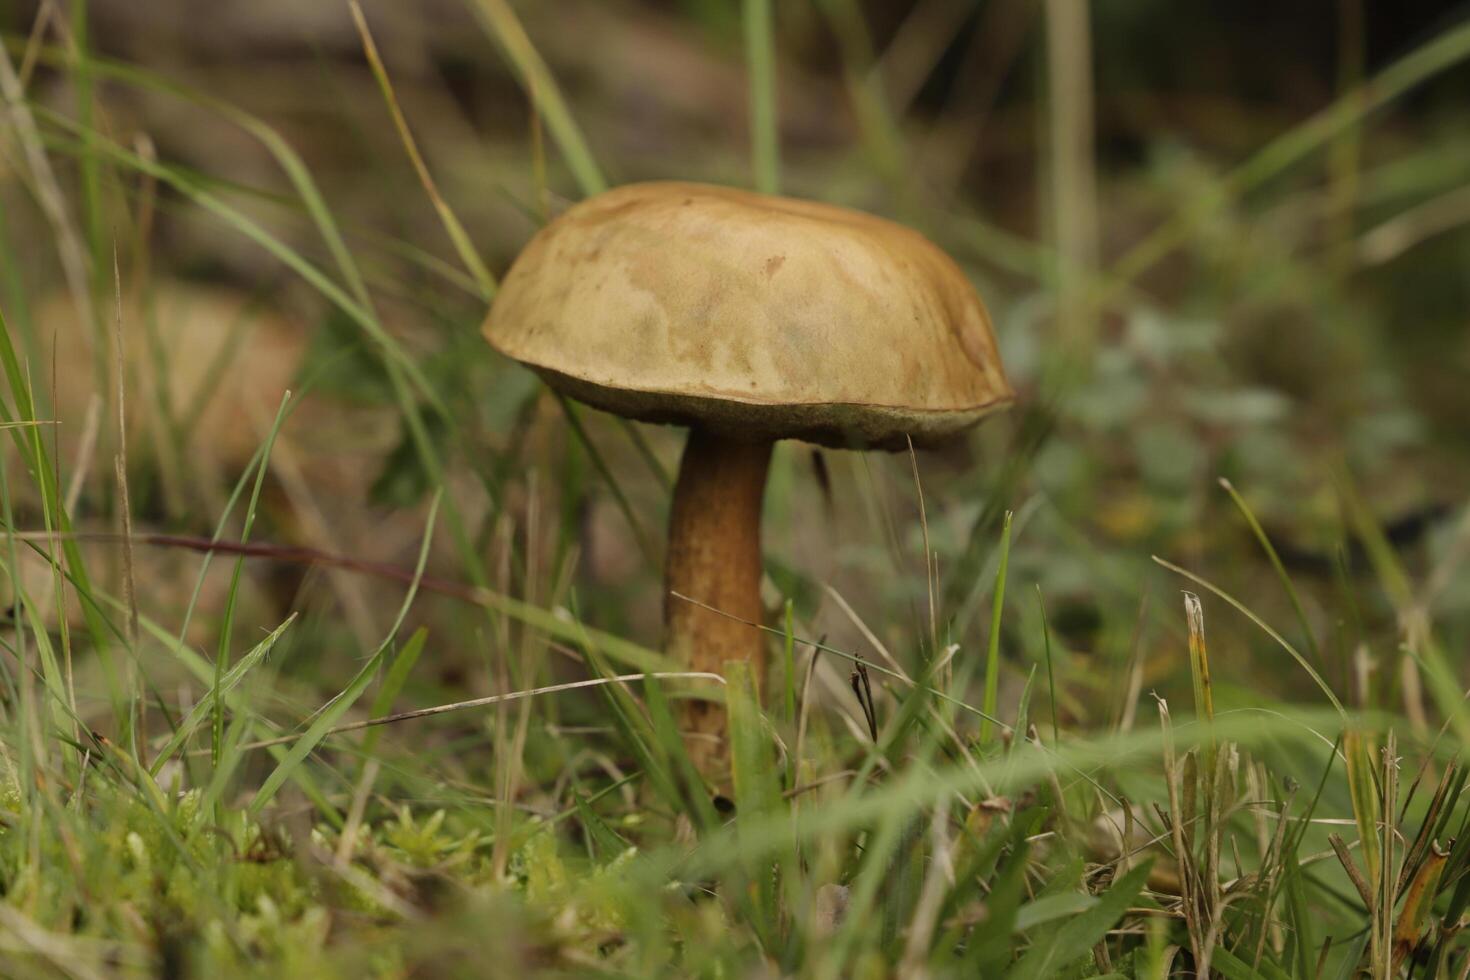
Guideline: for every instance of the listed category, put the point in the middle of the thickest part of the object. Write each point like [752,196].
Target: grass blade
[1241,607]
[1073,940]
[339,705]
[546,97]
[760,59]
[992,651]
[457,235]
[223,688]
[392,684]
[222,657]
[1281,573]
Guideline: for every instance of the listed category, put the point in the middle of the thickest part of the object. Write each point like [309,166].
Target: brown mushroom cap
[756,317]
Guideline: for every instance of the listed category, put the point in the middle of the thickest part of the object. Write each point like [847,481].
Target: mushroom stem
[714,556]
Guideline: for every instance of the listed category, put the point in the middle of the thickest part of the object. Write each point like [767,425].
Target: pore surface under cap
[756,316]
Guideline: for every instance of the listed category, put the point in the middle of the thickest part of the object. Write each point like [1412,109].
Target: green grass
[210,768]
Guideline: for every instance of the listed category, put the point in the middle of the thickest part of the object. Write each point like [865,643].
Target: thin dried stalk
[1188,885]
[1339,846]
[491,700]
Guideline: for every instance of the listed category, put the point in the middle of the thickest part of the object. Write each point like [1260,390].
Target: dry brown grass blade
[929,557]
[1424,843]
[457,235]
[1420,895]
[1199,659]
[867,632]
[35,41]
[120,462]
[1355,875]
[503,24]
[1174,777]
[494,699]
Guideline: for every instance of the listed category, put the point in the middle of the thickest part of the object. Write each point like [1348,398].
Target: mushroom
[748,318]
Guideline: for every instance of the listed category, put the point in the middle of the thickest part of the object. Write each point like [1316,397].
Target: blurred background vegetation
[1217,239]
[1289,320]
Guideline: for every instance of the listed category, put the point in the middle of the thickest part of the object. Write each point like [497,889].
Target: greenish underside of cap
[832,424]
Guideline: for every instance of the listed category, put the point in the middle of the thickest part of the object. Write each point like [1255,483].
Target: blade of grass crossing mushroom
[665,733]
[485,702]
[339,705]
[645,452]
[639,734]
[788,665]
[760,60]
[757,791]
[644,742]
[929,558]
[992,650]
[557,623]
[871,665]
[503,25]
[574,419]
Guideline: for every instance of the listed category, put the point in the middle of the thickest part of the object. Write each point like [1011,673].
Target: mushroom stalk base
[714,556]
